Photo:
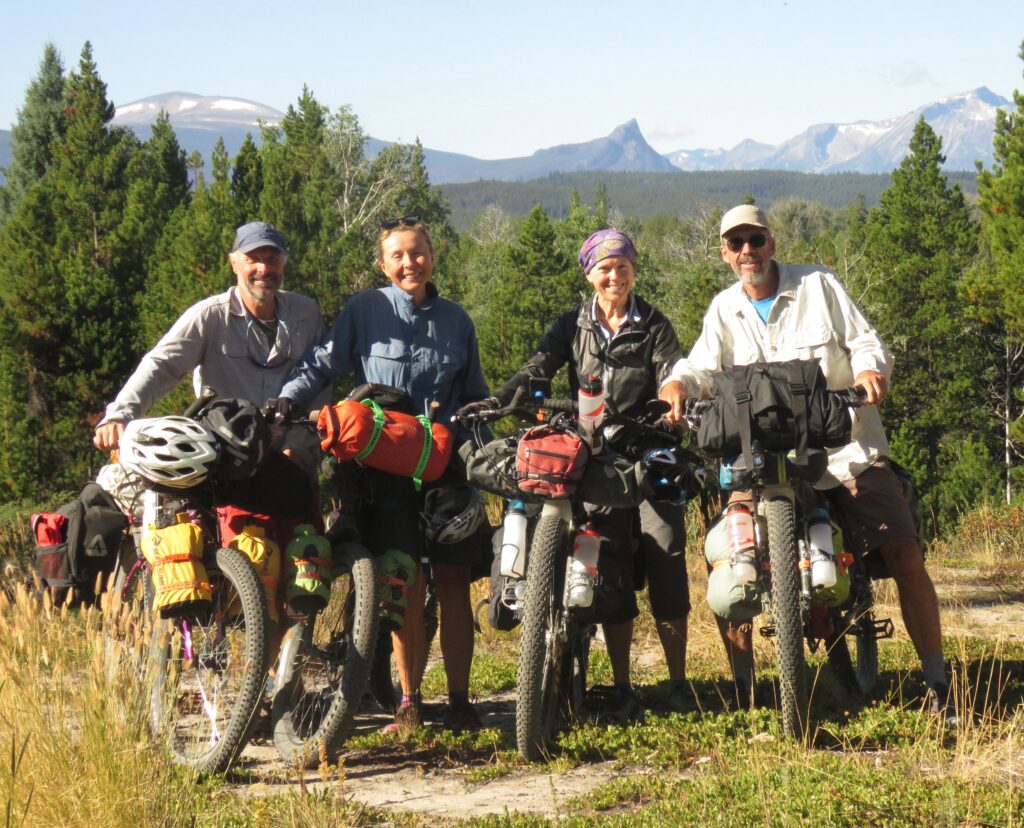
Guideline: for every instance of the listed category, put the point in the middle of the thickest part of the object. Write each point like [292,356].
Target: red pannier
[550,461]
[387,440]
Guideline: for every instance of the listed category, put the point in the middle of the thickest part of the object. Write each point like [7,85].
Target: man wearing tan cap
[777,312]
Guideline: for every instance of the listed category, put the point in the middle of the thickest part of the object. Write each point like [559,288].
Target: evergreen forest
[107,238]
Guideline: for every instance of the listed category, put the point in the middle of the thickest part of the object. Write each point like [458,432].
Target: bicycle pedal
[883,628]
[768,631]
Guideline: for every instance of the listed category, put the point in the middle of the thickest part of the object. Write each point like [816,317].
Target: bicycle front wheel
[789,631]
[210,669]
[540,650]
[325,662]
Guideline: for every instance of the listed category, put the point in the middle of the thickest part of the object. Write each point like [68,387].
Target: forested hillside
[650,194]
[107,238]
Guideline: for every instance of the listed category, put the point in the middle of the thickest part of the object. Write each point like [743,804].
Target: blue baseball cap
[258,234]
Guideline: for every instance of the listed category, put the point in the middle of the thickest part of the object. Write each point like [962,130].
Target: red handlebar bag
[387,440]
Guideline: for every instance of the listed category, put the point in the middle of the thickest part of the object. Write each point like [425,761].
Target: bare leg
[618,638]
[409,642]
[452,584]
[673,641]
[918,602]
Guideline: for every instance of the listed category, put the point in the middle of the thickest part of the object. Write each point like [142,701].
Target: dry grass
[77,733]
[78,751]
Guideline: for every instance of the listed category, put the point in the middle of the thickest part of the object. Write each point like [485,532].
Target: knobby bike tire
[793,694]
[385,687]
[540,663]
[206,705]
[325,664]
[856,670]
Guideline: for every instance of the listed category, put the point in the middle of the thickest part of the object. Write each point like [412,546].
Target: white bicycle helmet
[170,451]
[451,513]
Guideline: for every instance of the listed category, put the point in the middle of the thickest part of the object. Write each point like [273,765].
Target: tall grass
[75,730]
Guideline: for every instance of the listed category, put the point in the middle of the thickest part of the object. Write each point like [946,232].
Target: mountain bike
[209,671]
[781,500]
[556,638]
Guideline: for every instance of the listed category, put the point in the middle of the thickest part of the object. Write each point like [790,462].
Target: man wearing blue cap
[243,342]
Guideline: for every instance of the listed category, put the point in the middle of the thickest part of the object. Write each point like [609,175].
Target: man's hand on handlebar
[875,386]
[108,435]
[674,393]
[478,407]
[279,411]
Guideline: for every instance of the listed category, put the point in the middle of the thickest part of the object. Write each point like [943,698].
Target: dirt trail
[417,782]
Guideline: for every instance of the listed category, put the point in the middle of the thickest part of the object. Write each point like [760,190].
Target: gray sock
[934,667]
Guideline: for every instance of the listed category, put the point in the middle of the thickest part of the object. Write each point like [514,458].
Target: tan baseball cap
[744,214]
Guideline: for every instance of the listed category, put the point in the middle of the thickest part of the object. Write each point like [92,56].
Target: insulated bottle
[513,541]
[590,400]
[823,558]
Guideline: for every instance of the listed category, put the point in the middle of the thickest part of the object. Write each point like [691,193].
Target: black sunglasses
[404,221]
[735,243]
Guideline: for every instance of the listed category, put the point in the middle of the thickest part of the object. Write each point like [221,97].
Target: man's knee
[903,558]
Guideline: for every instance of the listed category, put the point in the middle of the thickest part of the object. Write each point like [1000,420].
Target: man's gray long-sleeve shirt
[216,341]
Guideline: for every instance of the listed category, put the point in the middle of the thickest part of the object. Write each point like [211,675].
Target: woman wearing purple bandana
[631,345]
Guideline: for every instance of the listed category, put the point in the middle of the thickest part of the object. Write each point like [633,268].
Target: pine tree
[995,294]
[920,240]
[247,179]
[67,282]
[537,284]
[39,125]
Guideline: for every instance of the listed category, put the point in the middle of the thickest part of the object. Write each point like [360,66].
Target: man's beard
[754,279]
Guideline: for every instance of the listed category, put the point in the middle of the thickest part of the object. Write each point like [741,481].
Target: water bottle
[741,540]
[583,575]
[591,409]
[823,558]
[513,541]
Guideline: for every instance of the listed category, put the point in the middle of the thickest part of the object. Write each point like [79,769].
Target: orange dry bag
[387,440]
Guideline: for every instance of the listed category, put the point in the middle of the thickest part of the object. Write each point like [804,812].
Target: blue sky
[496,79]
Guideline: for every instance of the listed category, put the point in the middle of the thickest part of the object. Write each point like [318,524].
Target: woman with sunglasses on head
[406,336]
[630,345]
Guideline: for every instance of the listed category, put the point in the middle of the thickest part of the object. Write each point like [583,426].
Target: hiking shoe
[407,720]
[461,717]
[939,702]
[624,707]
[679,699]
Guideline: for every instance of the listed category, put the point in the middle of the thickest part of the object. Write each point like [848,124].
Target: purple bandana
[605,243]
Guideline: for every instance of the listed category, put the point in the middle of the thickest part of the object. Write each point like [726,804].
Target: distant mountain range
[965,122]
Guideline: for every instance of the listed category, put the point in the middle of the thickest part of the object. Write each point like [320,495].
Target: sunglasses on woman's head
[735,243]
[404,221]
